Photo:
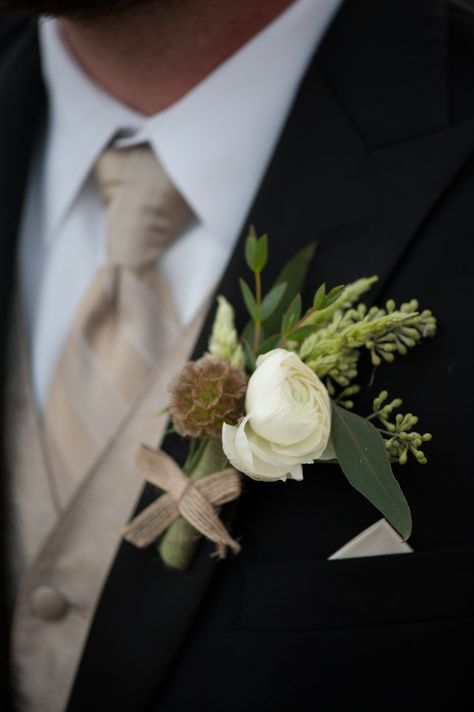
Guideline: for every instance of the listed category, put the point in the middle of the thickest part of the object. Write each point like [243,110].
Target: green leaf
[329,306]
[261,257]
[269,344]
[302,333]
[249,332]
[250,251]
[249,356]
[322,300]
[333,295]
[363,458]
[272,300]
[294,274]
[256,252]
[319,297]
[249,299]
[292,315]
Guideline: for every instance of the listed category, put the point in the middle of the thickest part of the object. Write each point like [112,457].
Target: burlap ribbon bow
[195,501]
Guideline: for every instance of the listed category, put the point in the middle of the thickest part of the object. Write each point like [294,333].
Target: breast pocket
[356,592]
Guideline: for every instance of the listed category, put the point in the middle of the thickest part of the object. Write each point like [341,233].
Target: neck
[148,59]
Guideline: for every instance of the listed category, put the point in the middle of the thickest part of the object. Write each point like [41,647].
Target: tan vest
[61,558]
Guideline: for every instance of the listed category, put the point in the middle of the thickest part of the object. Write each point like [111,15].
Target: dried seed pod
[206,394]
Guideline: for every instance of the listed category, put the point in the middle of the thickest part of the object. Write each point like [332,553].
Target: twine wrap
[194,501]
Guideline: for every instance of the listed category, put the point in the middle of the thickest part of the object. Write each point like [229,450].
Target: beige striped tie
[126,320]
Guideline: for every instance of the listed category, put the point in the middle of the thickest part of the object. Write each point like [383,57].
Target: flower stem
[179,542]
[387,432]
[196,451]
[258,301]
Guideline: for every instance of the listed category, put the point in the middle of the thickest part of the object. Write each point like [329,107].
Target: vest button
[48,603]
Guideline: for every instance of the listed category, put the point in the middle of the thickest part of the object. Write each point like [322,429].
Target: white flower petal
[288,421]
[329,453]
[243,446]
[283,425]
[264,450]
[228,445]
[297,473]
[264,391]
[267,472]
[312,447]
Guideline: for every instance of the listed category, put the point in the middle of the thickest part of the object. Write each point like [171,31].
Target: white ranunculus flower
[287,422]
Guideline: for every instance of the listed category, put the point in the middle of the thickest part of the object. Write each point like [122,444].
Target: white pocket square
[377,540]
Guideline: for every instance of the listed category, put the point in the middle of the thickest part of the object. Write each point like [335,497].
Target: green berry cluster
[397,430]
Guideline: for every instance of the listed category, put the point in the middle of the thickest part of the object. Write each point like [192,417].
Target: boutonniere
[277,397]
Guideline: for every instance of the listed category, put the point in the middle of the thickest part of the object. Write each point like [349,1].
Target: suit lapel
[22,100]
[362,187]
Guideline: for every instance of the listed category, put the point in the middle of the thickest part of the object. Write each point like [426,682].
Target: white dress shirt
[215,143]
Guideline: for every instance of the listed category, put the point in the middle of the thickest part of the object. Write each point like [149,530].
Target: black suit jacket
[376,163]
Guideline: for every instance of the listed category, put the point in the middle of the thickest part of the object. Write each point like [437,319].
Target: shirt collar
[215,142]
[82,120]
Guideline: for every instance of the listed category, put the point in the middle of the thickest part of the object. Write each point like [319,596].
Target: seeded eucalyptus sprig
[399,338]
[296,328]
[344,397]
[333,350]
[398,434]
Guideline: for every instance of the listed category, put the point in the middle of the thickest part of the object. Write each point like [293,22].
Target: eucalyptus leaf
[319,297]
[326,311]
[249,299]
[249,355]
[269,344]
[294,274]
[333,295]
[249,332]
[363,458]
[302,333]
[250,251]
[292,315]
[256,252]
[272,300]
[261,256]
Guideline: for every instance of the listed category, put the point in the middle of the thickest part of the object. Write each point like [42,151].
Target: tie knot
[144,210]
